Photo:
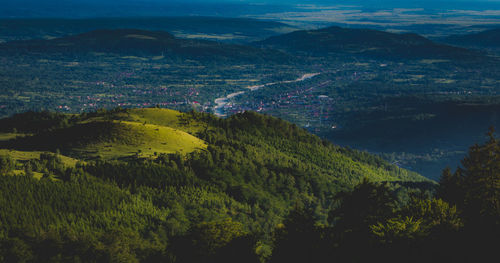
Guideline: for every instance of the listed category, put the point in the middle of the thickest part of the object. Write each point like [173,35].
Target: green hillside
[152,132]
[114,136]
[155,176]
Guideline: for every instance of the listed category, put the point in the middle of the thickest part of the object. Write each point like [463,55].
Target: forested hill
[141,43]
[259,138]
[128,183]
[225,29]
[488,38]
[364,42]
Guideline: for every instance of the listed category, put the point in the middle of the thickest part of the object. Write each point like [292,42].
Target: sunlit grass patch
[7,136]
[31,155]
[445,81]
[146,134]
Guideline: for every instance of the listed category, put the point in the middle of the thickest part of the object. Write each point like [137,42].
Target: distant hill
[488,38]
[141,42]
[363,42]
[234,30]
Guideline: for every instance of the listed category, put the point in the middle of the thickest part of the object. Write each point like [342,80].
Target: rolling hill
[234,30]
[363,42]
[108,138]
[141,43]
[487,38]
[148,133]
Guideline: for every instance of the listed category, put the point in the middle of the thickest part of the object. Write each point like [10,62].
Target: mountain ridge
[109,132]
[225,29]
[488,38]
[142,43]
[363,42]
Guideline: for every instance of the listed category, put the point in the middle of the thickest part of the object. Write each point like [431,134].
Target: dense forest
[254,189]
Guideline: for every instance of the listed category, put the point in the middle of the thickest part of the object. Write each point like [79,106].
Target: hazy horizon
[225,8]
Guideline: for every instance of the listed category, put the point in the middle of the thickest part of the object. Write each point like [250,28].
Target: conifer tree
[482,182]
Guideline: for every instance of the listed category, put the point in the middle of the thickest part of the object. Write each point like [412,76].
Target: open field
[141,133]
[144,141]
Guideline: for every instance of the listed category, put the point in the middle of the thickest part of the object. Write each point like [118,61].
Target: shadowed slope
[363,42]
